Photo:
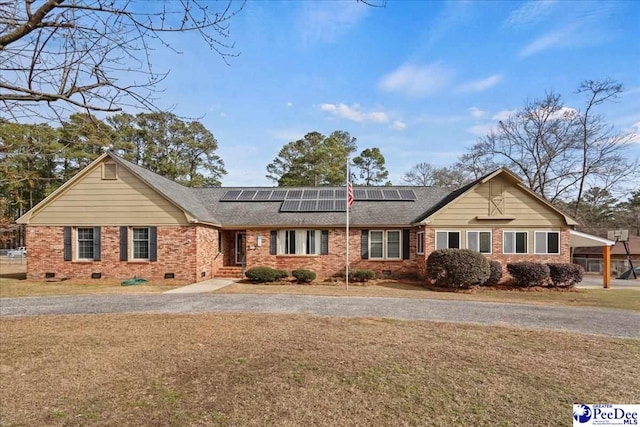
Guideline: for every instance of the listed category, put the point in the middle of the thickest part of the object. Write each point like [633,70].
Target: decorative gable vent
[109,171]
[496,199]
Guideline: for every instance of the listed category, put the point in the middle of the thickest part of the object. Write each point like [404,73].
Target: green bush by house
[304,276]
[265,274]
[528,274]
[458,268]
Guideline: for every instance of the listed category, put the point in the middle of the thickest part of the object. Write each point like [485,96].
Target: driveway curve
[610,322]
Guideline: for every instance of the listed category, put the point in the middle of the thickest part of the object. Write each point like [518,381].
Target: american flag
[349,194]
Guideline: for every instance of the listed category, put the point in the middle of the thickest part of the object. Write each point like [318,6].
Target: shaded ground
[254,370]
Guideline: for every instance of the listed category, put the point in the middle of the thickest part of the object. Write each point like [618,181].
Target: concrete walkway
[202,287]
[597,321]
[595,282]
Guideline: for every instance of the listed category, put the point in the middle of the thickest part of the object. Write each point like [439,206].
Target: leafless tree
[96,55]
[560,151]
[420,174]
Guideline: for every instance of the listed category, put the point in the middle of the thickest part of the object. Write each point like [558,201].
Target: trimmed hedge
[565,275]
[458,268]
[495,273]
[304,276]
[528,274]
[361,275]
[265,274]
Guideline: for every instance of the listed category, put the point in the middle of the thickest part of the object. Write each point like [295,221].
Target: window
[515,242]
[547,242]
[140,238]
[447,240]
[385,244]
[479,241]
[420,242]
[85,243]
[299,242]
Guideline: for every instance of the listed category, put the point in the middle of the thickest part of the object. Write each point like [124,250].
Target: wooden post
[606,267]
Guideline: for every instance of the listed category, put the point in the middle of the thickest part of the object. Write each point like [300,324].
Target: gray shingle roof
[204,204]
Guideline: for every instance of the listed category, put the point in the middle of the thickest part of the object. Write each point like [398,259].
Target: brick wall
[331,264]
[208,260]
[177,247]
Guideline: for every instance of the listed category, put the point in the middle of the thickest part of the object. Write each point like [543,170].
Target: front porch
[234,249]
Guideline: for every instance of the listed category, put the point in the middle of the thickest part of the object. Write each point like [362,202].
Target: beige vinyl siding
[95,201]
[526,210]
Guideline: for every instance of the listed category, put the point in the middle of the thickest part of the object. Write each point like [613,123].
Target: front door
[241,239]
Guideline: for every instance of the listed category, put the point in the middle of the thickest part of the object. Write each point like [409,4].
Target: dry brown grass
[11,288]
[285,370]
[628,299]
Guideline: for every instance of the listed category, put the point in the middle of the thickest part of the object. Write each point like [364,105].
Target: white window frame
[133,240]
[420,243]
[435,243]
[480,231]
[546,233]
[77,241]
[286,234]
[504,233]
[385,245]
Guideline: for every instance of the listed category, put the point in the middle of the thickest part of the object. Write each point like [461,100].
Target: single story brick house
[115,219]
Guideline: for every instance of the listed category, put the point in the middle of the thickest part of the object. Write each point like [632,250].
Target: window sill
[84,261]
[298,256]
[138,261]
[388,259]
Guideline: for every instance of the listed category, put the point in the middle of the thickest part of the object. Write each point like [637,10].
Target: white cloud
[480,130]
[476,112]
[564,113]
[355,113]
[327,21]
[287,134]
[289,104]
[530,13]
[504,114]
[480,85]
[223,114]
[398,125]
[552,39]
[634,133]
[416,80]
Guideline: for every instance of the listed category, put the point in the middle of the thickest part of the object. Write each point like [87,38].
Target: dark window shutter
[96,243]
[324,244]
[405,244]
[124,254]
[219,241]
[273,242]
[364,241]
[67,243]
[153,243]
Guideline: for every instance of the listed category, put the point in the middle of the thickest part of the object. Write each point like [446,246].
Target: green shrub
[495,273]
[304,276]
[529,273]
[281,274]
[265,274]
[458,268]
[565,275]
[361,275]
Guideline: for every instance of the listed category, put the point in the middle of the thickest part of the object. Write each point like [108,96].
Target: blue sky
[419,80]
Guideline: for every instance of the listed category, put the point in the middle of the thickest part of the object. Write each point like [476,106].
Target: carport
[584,240]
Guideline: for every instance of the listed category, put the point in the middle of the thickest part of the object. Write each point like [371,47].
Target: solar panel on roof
[390,194]
[290,206]
[407,194]
[307,205]
[374,194]
[230,195]
[278,195]
[262,195]
[310,194]
[325,205]
[325,194]
[247,195]
[360,194]
[294,195]
[341,194]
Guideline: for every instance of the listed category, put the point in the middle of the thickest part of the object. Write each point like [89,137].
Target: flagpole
[346,199]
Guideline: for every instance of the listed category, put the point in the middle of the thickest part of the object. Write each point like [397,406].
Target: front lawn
[292,370]
[13,288]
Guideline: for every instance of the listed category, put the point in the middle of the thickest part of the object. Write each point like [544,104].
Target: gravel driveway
[618,323]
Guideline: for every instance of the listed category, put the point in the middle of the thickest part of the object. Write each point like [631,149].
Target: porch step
[229,272]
